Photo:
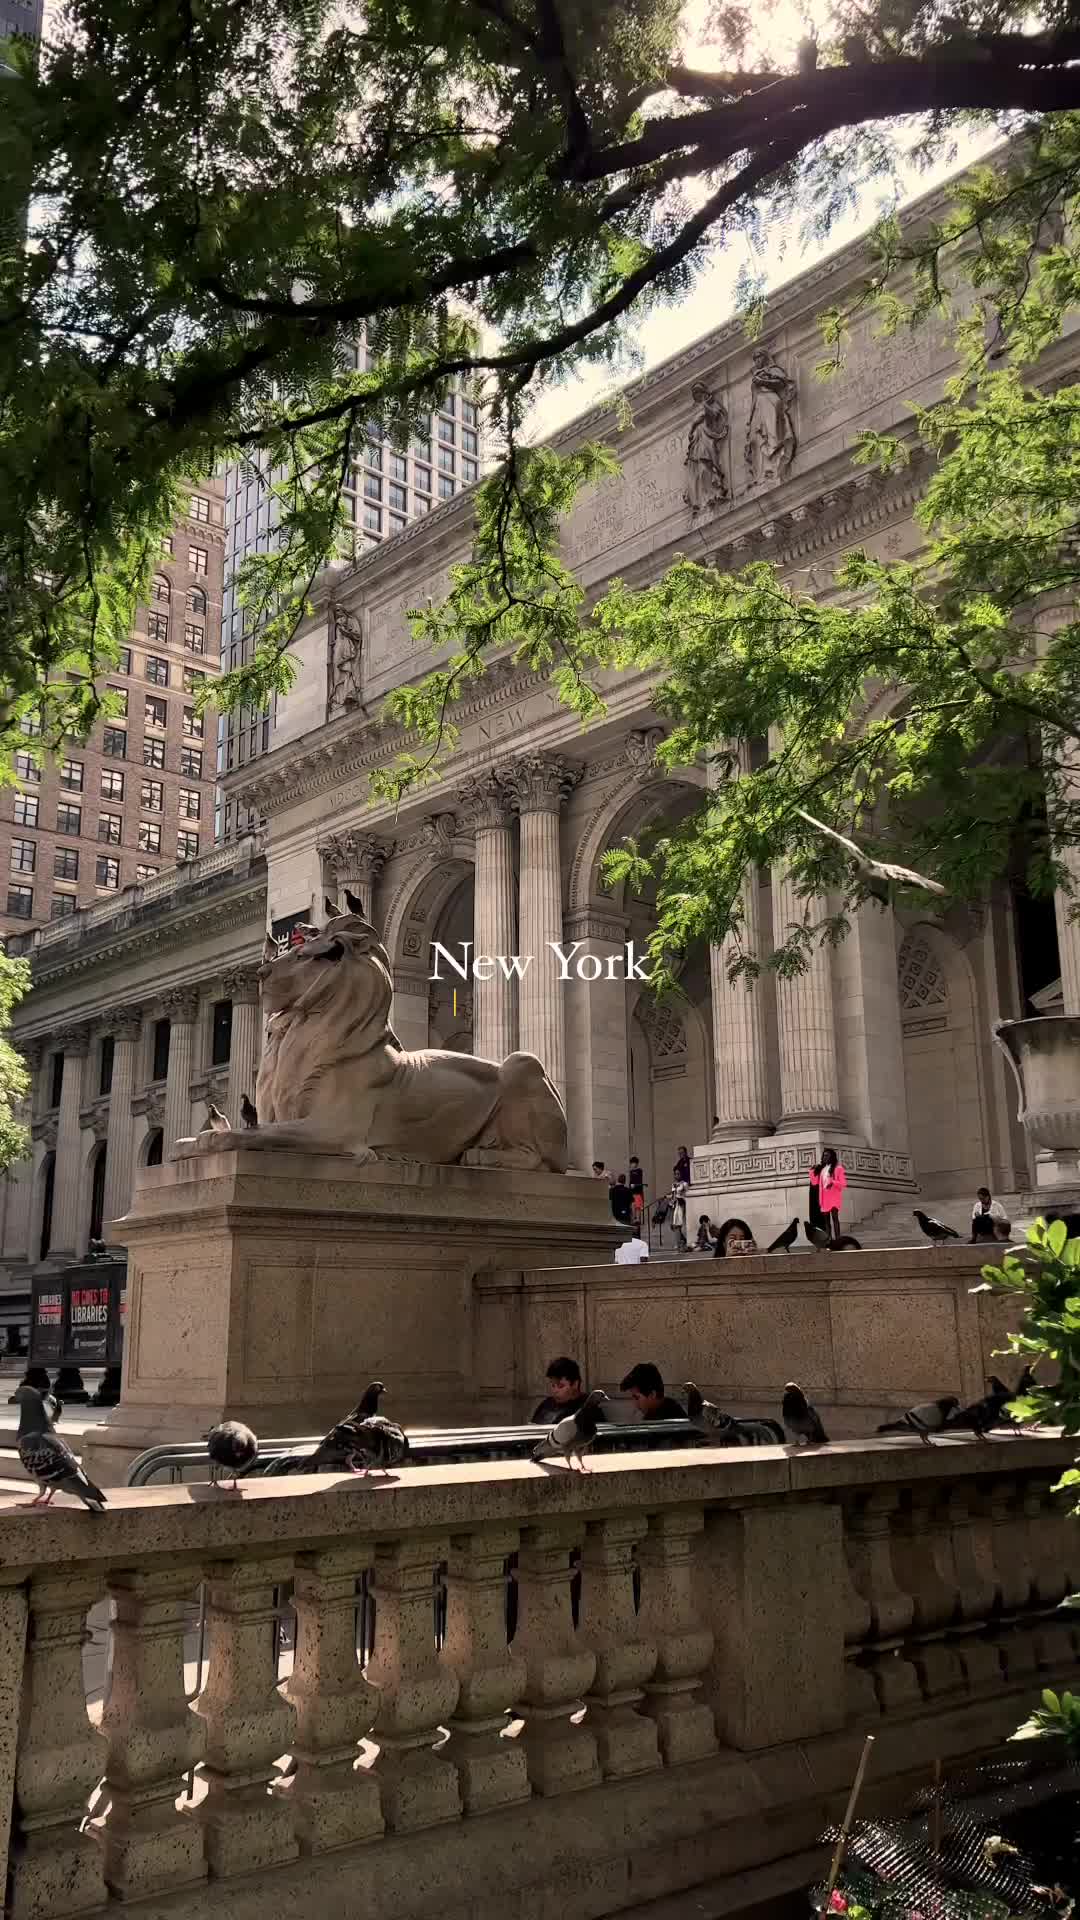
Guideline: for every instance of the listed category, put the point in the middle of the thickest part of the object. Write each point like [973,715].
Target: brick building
[138,795]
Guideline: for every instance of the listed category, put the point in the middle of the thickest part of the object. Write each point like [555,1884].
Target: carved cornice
[162,934]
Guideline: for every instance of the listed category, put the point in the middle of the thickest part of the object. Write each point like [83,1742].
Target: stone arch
[416,903]
[946,1102]
[670,1080]
[636,799]
[151,1148]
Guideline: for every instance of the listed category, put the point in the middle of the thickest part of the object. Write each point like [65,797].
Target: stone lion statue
[335,1078]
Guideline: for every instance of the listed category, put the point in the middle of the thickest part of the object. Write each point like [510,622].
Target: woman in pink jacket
[830,1180]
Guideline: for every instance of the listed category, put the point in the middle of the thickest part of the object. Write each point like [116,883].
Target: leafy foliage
[221,199]
[14,1078]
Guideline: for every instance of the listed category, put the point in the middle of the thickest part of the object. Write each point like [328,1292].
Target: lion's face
[346,960]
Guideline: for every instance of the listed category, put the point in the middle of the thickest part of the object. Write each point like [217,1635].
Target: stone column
[181,1010]
[1068,933]
[242,988]
[809,1079]
[120,1146]
[356,860]
[487,810]
[540,783]
[597,1094]
[741,1069]
[73,1043]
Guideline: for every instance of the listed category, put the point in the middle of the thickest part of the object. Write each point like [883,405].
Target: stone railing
[646,1677]
[120,906]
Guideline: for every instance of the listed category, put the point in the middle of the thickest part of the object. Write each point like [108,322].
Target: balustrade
[725,1603]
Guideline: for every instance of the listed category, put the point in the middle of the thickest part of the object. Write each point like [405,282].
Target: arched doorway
[945,1100]
[155,1143]
[97,1191]
[48,1189]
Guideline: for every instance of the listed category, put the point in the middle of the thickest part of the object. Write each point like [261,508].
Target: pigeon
[924,1420]
[786,1240]
[330,910]
[884,872]
[817,1236]
[46,1458]
[354,905]
[985,1414]
[934,1229]
[363,1440]
[573,1434]
[233,1447]
[249,1116]
[219,1122]
[723,1429]
[801,1418]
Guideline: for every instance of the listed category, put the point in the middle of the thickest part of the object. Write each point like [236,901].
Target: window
[397,525]
[161,1050]
[193,678]
[446,487]
[109,828]
[191,762]
[105,1066]
[62,906]
[187,846]
[144,873]
[469,441]
[66,863]
[157,711]
[446,432]
[450,403]
[189,803]
[197,558]
[373,519]
[196,600]
[161,588]
[71,775]
[199,506]
[125,659]
[193,724]
[220,1033]
[194,636]
[20,902]
[149,836]
[373,454]
[422,449]
[107,871]
[23,856]
[112,785]
[27,767]
[30,724]
[26,809]
[152,796]
[469,413]
[120,696]
[420,505]
[399,499]
[157,668]
[372,487]
[446,460]
[114,742]
[68,818]
[423,480]
[153,753]
[469,470]
[399,467]
[167,544]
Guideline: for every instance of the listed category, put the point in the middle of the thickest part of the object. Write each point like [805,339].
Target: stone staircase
[894,1223]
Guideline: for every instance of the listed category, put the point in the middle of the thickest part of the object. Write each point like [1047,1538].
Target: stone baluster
[181,1008]
[933,1595]
[1053,1639]
[667,1617]
[976,1592]
[418,1693]
[356,860]
[559,1667]
[491,1770]
[249,1723]
[626,1740]
[809,1083]
[242,988]
[861,1694]
[487,812]
[868,1538]
[335,1803]
[73,1043]
[1010,1564]
[152,1736]
[120,1149]
[740,1046]
[55,1869]
[540,783]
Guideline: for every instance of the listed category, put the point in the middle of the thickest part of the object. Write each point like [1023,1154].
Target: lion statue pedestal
[270,1287]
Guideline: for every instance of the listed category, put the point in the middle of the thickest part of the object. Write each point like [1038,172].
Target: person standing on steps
[681,1169]
[829,1180]
[637,1188]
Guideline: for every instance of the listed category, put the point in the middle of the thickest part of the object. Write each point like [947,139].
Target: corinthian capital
[241,985]
[354,856]
[181,1005]
[540,782]
[73,1042]
[485,803]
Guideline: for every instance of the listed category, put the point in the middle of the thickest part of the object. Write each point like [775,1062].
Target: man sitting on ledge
[566,1392]
[645,1385]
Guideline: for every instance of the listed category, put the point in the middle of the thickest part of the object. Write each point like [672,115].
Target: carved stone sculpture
[335,1078]
[344,666]
[706,455]
[771,439]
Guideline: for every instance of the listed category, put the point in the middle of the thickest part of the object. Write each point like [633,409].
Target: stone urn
[1045,1057]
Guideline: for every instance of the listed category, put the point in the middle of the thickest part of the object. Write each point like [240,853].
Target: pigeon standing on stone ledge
[232,1447]
[217,1121]
[571,1436]
[45,1457]
[924,1420]
[801,1418]
[248,1113]
[786,1240]
[935,1230]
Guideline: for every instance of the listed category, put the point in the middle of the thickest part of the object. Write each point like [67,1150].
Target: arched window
[196,600]
[97,1193]
[47,1207]
[154,1150]
[162,589]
